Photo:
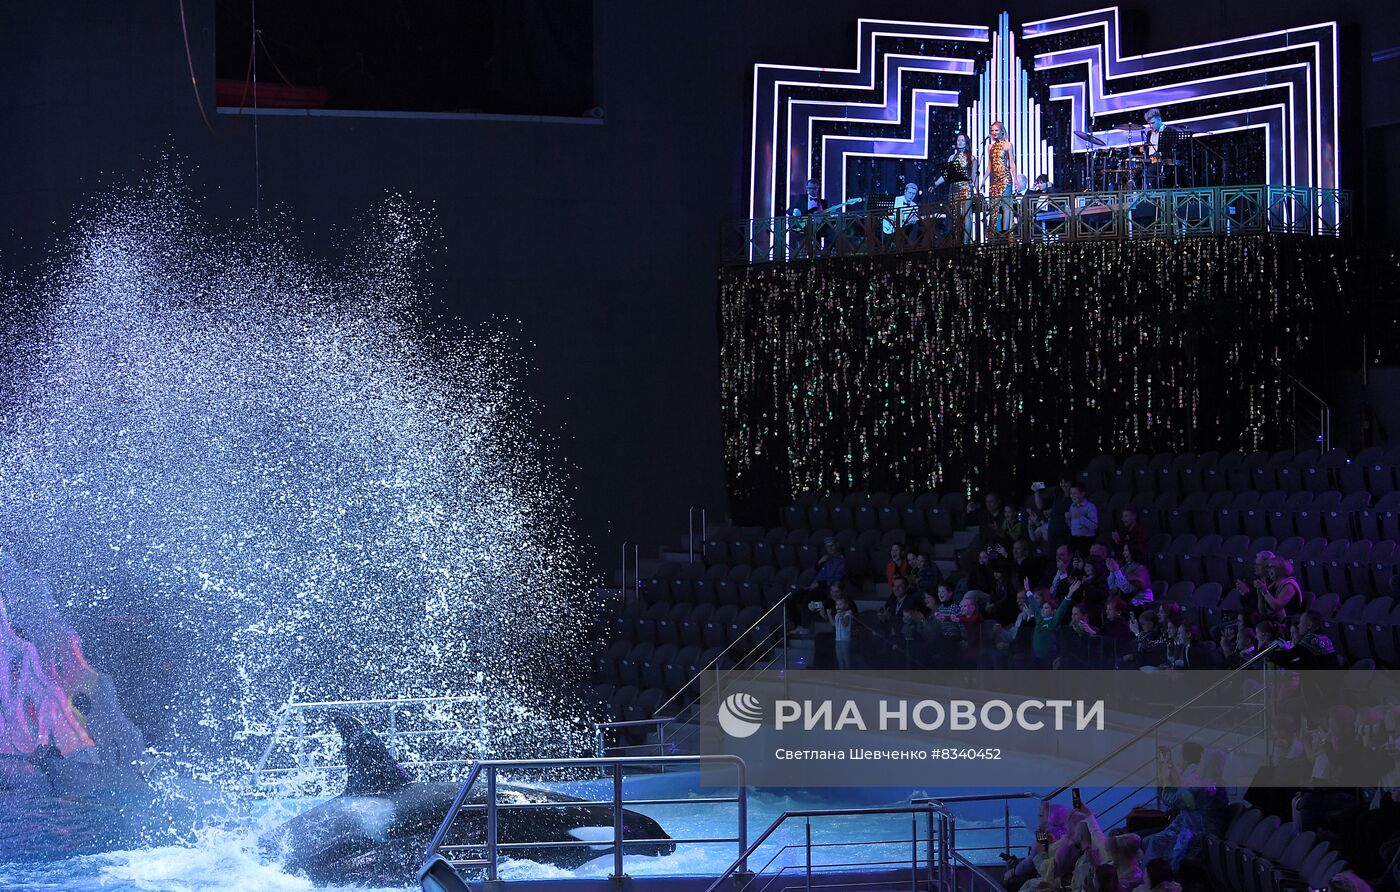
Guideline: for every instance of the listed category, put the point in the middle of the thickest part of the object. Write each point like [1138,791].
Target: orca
[378,830]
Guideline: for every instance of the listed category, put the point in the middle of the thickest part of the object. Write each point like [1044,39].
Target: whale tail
[370,767]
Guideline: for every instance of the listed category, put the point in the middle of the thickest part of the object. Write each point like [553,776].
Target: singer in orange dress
[1001,162]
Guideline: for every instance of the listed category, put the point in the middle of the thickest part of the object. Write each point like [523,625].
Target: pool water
[226,858]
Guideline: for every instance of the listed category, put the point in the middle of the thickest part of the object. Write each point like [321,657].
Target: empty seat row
[1363,567]
[645,665]
[1372,470]
[1260,853]
[700,625]
[862,511]
[804,548]
[720,585]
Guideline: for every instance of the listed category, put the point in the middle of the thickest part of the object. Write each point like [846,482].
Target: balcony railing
[1041,217]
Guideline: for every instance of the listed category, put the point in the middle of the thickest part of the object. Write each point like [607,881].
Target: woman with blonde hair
[1278,592]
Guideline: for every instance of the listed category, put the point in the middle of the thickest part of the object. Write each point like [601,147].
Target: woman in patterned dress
[958,171]
[1001,169]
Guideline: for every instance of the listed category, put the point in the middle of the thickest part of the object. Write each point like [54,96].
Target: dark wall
[619,306]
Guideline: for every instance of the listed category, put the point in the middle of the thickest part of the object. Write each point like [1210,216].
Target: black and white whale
[377,831]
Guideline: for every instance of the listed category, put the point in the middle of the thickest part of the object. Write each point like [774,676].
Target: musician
[812,202]
[906,211]
[1159,145]
[808,235]
[1043,184]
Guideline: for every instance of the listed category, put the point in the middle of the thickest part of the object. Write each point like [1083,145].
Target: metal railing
[636,570]
[308,765]
[1043,217]
[762,647]
[1151,730]
[614,767]
[932,868]
[704,532]
[1323,443]
[604,748]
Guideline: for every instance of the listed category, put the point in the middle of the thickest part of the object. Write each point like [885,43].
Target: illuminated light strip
[1276,152]
[891,107]
[872,147]
[1117,138]
[1004,95]
[1325,90]
[767,81]
[1254,82]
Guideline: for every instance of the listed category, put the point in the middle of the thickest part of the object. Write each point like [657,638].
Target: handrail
[492,768]
[722,654]
[636,570]
[1152,728]
[739,865]
[1324,417]
[704,532]
[291,707]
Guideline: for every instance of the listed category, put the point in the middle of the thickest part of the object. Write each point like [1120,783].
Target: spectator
[1193,795]
[831,566]
[1331,749]
[1053,823]
[1308,647]
[1124,851]
[1082,517]
[1074,643]
[1265,634]
[843,618]
[1262,560]
[1278,592]
[898,564]
[1105,878]
[969,620]
[1044,638]
[901,599]
[913,630]
[1248,646]
[983,574]
[1009,642]
[1229,645]
[924,573]
[1022,561]
[1013,525]
[1064,560]
[1149,640]
[1059,525]
[1130,533]
[1160,877]
[1039,516]
[986,515]
[1116,632]
[831,570]
[1130,578]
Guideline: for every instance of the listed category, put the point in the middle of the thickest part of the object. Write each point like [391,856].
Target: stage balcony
[876,228]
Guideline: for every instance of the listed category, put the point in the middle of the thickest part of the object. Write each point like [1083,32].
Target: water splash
[297,483]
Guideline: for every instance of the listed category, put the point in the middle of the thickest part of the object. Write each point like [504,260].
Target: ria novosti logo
[740,715]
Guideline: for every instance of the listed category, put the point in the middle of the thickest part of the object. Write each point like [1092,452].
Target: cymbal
[1090,138]
[1128,128]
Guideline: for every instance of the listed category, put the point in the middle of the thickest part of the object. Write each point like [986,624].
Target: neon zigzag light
[776,163]
[1307,153]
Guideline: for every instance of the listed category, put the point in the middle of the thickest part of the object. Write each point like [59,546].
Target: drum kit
[1114,168]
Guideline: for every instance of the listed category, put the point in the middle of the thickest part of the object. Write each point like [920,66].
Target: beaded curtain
[1000,365]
